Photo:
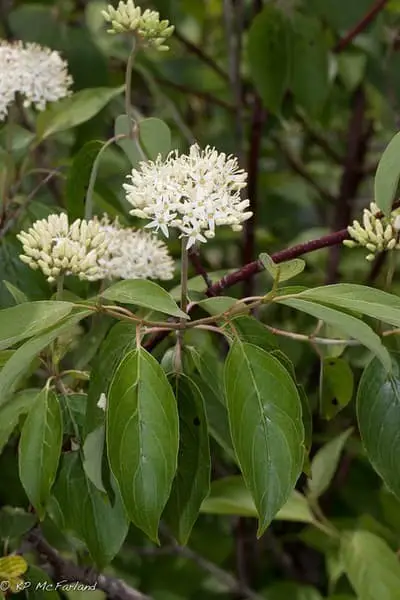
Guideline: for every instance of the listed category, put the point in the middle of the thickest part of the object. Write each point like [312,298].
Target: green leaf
[252,331]
[154,138]
[77,505]
[78,178]
[15,522]
[349,325]
[337,385]
[143,293]
[310,63]
[360,299]
[40,449]
[19,297]
[192,481]
[230,496]
[325,463]
[264,412]
[74,110]
[378,414]
[282,271]
[31,318]
[269,54]
[387,175]
[19,363]
[11,411]
[93,456]
[41,587]
[221,304]
[142,438]
[371,566]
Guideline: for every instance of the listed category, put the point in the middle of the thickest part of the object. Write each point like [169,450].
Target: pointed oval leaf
[77,505]
[387,175]
[349,325]
[78,178]
[325,463]
[31,318]
[192,481]
[265,419]
[40,449]
[269,52]
[154,137]
[282,271]
[93,456]
[143,293]
[372,567]
[378,414]
[142,438]
[11,411]
[74,110]
[18,296]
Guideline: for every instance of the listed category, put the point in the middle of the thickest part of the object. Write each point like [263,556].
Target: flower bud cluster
[194,193]
[377,232]
[147,26]
[38,74]
[58,248]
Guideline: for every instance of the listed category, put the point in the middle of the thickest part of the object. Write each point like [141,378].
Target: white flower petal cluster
[377,232]
[147,26]
[39,74]
[194,193]
[134,254]
[58,248]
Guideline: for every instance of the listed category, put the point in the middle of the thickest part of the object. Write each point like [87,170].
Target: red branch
[361,26]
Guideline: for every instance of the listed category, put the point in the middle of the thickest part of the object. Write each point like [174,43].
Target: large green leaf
[252,331]
[387,175]
[15,522]
[230,496]
[74,110]
[264,412]
[31,318]
[269,53]
[192,481]
[11,411]
[143,293]
[19,363]
[371,566]
[40,449]
[360,299]
[325,463]
[78,178]
[77,505]
[154,138]
[378,413]
[310,63]
[142,438]
[349,325]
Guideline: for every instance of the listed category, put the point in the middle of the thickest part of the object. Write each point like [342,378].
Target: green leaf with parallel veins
[31,318]
[77,505]
[78,178]
[192,481]
[230,496]
[40,449]
[154,138]
[337,385]
[282,271]
[372,567]
[269,53]
[93,456]
[142,438]
[264,412]
[325,463]
[142,292]
[310,63]
[19,363]
[252,331]
[388,175]
[349,325]
[74,110]
[11,411]
[378,414]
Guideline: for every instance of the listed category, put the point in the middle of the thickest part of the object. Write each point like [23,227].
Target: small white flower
[147,27]
[133,254]
[59,249]
[102,403]
[194,193]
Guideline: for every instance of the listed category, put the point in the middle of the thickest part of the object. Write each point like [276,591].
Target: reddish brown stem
[360,26]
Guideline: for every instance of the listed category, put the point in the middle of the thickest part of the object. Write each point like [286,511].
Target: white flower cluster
[377,233]
[58,248]
[194,193]
[134,254]
[38,74]
[147,26]
[94,250]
